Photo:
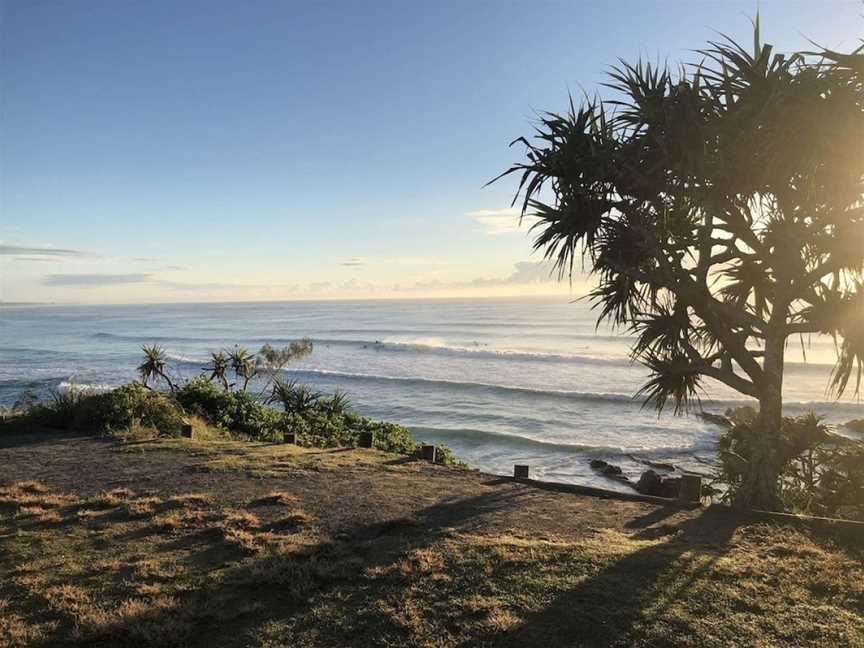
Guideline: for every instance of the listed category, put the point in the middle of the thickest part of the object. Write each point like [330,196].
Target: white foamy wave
[187,359]
[72,385]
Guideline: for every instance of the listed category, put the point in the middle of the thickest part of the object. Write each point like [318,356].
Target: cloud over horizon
[95,280]
[27,251]
[500,221]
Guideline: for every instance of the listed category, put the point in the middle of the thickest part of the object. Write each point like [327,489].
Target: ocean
[500,381]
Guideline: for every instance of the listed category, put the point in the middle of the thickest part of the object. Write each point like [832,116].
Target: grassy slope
[148,566]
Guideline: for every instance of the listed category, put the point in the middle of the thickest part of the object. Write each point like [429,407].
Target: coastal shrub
[251,418]
[337,404]
[60,411]
[200,396]
[316,420]
[133,402]
[390,437]
[327,431]
[820,472]
[111,411]
[294,397]
[238,411]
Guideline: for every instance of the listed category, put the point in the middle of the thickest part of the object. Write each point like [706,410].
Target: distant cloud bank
[24,251]
[95,279]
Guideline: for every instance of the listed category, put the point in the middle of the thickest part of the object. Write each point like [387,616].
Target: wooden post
[690,489]
[365,440]
[429,453]
[289,437]
[520,471]
[186,430]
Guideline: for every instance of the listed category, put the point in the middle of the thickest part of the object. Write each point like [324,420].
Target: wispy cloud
[223,286]
[95,280]
[524,273]
[353,262]
[167,268]
[500,221]
[24,251]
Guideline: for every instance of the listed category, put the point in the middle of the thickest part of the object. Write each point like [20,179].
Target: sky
[190,151]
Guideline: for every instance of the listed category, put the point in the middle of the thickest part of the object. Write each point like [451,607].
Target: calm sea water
[500,381]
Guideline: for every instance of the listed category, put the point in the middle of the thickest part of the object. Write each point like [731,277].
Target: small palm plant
[243,364]
[294,397]
[337,404]
[154,365]
[218,367]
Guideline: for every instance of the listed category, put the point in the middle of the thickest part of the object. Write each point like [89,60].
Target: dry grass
[262,459]
[30,499]
[130,569]
[193,500]
[109,499]
[57,585]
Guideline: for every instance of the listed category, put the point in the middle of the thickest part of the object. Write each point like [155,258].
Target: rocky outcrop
[609,470]
[652,483]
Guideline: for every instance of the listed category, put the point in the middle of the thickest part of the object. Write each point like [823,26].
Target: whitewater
[501,381]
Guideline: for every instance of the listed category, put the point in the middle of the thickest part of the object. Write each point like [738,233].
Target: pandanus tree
[218,367]
[154,366]
[720,210]
[243,365]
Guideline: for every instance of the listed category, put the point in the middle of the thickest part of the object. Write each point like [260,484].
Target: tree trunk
[761,486]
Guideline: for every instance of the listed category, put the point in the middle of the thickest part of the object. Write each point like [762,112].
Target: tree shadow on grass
[633,594]
[327,588]
[275,590]
[657,515]
[603,609]
[15,434]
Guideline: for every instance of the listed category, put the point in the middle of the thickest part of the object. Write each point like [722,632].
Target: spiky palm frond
[338,403]
[848,328]
[243,365]
[664,331]
[673,377]
[218,367]
[747,285]
[154,365]
[294,397]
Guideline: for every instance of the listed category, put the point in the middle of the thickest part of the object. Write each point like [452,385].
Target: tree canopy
[720,208]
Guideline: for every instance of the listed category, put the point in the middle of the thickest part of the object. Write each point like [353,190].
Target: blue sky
[188,151]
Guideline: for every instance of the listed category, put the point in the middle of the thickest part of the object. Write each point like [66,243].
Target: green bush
[316,421]
[112,411]
[252,419]
[820,472]
[200,396]
[238,411]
